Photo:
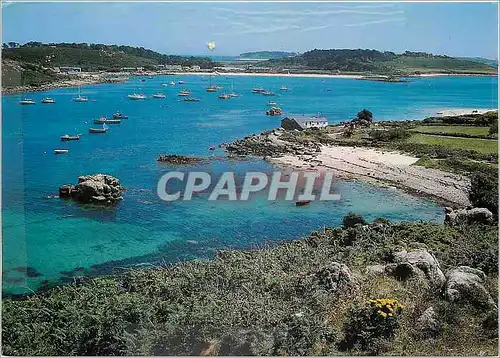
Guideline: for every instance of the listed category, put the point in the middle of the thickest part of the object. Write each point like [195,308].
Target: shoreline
[83,82]
[371,165]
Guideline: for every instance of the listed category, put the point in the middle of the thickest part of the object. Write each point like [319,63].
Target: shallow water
[53,237]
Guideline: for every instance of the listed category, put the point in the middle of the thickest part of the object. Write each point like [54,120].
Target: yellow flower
[383,314]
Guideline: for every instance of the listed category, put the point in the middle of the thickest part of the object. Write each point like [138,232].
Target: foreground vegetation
[272,301]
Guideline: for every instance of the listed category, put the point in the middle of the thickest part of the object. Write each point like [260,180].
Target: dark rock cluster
[177,159]
[93,189]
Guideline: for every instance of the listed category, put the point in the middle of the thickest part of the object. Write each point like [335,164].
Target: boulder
[467,216]
[334,277]
[428,323]
[97,189]
[466,284]
[420,263]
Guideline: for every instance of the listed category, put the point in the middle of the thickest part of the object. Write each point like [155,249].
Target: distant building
[303,122]
[70,70]
[173,67]
[195,68]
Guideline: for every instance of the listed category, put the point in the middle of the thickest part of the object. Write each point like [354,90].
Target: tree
[494,127]
[484,191]
[13,44]
[352,219]
[366,115]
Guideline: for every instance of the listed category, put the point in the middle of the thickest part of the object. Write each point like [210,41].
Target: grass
[471,130]
[484,146]
[272,301]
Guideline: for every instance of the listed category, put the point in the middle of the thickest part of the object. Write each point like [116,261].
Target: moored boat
[225,96]
[211,89]
[272,103]
[302,202]
[159,95]
[191,99]
[61,151]
[80,98]
[118,115]
[48,100]
[99,130]
[181,82]
[136,96]
[184,93]
[268,93]
[172,83]
[104,120]
[67,137]
[283,88]
[27,101]
[258,90]
[164,85]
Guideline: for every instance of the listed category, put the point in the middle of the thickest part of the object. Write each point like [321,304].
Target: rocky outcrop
[467,284]
[95,189]
[175,159]
[467,216]
[334,277]
[275,111]
[271,144]
[428,323]
[416,263]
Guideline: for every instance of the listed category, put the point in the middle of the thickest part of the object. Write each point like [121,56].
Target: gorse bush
[353,219]
[370,325]
[484,191]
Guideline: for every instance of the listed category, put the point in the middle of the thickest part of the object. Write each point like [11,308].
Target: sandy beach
[463,111]
[384,167]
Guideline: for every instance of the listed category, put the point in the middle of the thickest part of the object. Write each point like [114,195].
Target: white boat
[27,101]
[159,95]
[164,85]
[258,90]
[283,88]
[136,96]
[61,151]
[80,98]
[181,82]
[225,96]
[48,100]
[191,99]
[67,137]
[99,130]
[268,93]
[172,83]
[184,93]
[272,103]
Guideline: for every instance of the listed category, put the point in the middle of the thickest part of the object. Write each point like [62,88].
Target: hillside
[92,57]
[373,61]
[267,54]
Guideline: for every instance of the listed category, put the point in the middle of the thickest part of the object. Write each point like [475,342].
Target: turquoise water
[59,239]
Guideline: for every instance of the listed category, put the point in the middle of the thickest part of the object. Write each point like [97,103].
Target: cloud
[374,22]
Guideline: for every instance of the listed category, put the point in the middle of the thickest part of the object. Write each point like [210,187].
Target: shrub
[365,115]
[484,191]
[352,219]
[389,135]
[370,325]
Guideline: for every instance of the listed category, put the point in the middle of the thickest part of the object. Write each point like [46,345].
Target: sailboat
[135,96]
[80,98]
[283,88]
[233,94]
[211,88]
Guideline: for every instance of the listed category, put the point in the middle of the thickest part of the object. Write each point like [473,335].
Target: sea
[49,241]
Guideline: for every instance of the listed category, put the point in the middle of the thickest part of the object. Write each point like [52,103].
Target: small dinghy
[302,202]
[48,100]
[68,137]
[118,115]
[27,101]
[181,82]
[99,130]
[61,151]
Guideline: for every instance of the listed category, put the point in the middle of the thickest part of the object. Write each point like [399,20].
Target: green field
[485,146]
[472,130]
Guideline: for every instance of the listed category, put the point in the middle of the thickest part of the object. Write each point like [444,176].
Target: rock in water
[464,216]
[96,189]
[466,284]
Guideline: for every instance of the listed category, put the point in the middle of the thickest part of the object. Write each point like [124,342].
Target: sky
[454,29]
